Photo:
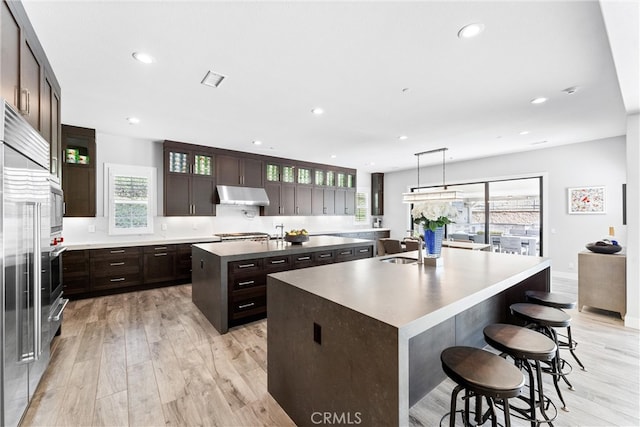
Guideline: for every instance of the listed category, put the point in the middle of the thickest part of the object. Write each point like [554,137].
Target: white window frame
[113,170]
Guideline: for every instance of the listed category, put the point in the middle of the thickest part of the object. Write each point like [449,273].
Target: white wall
[593,163]
[141,152]
[633,219]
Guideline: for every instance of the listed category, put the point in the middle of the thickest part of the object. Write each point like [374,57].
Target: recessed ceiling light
[539,100]
[333,156]
[317,111]
[257,142]
[403,137]
[143,57]
[571,90]
[212,79]
[133,120]
[471,30]
[524,132]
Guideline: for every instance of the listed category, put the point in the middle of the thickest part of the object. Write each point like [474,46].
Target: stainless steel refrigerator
[24,236]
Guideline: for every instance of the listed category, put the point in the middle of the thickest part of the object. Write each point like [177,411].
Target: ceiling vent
[213,79]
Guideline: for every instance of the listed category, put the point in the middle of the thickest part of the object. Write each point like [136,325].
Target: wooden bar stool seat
[563,302]
[527,348]
[544,319]
[481,374]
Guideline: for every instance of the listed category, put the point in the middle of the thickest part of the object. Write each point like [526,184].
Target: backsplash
[228,219]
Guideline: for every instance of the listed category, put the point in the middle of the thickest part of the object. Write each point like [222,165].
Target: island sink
[399,260]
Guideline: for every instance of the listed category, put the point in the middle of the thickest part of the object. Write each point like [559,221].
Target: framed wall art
[587,200]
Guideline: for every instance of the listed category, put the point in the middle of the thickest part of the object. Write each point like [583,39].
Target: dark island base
[355,366]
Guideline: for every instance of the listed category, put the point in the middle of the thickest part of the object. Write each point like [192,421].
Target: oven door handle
[56,252]
[61,307]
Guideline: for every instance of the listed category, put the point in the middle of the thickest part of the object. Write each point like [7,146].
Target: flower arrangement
[432,215]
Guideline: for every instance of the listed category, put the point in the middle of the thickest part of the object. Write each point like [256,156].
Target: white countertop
[141,242]
[155,240]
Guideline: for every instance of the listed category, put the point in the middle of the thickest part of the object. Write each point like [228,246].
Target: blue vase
[433,242]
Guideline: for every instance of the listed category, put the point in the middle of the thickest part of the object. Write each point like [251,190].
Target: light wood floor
[150,359]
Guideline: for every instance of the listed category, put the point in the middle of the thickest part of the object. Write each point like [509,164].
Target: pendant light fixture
[425,195]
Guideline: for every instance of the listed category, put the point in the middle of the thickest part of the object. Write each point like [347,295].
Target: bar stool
[563,302]
[481,373]
[544,319]
[527,348]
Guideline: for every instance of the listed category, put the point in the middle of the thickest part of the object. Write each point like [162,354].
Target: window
[361,207]
[131,201]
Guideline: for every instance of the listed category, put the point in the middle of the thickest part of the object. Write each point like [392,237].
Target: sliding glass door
[506,214]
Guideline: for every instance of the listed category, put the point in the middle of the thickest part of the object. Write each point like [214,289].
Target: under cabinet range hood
[247,196]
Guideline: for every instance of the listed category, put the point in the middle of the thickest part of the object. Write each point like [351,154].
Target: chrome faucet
[281,227]
[420,250]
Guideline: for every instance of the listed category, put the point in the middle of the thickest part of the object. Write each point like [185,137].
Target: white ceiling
[353,59]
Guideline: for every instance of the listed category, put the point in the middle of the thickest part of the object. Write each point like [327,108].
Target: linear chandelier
[425,196]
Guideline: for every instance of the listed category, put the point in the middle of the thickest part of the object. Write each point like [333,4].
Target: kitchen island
[229,280]
[362,341]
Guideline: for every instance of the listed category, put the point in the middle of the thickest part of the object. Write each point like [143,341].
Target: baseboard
[564,275]
[631,322]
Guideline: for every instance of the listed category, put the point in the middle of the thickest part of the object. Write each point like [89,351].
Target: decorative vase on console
[433,242]
[433,216]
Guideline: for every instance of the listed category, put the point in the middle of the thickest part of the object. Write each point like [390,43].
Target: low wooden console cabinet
[602,281]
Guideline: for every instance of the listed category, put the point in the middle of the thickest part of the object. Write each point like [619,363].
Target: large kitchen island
[360,343]
[229,280]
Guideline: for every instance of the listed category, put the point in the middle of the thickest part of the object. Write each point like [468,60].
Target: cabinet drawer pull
[345,253]
[113,264]
[248,282]
[304,258]
[279,261]
[246,265]
[161,248]
[121,251]
[363,250]
[119,279]
[325,255]
[251,304]
[160,254]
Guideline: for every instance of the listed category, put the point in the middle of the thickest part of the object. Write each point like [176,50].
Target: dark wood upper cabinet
[10,57]
[239,171]
[189,180]
[27,79]
[377,194]
[79,171]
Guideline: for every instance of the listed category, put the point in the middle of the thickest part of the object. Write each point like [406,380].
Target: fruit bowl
[296,239]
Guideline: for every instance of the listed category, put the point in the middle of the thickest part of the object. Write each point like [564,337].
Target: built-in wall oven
[58,303]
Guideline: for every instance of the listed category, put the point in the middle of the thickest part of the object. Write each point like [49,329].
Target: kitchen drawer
[159,249]
[248,306]
[245,267]
[115,266]
[241,283]
[363,252]
[346,254]
[115,252]
[303,260]
[324,257]
[116,281]
[277,263]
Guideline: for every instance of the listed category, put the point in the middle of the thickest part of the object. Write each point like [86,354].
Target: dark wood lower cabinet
[159,263]
[95,272]
[247,279]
